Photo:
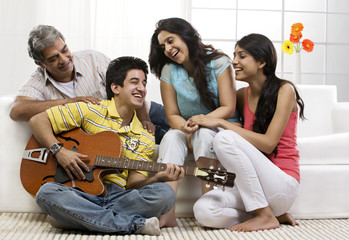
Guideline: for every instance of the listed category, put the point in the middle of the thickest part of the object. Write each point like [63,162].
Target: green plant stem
[298,47]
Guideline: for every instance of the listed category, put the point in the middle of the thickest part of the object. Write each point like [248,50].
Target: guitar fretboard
[125,163]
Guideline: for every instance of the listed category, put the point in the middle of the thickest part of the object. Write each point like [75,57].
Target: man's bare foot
[287,218]
[264,219]
[168,219]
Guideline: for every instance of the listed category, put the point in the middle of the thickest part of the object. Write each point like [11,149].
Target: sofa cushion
[331,149]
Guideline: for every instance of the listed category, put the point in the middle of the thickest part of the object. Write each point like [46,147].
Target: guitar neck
[125,163]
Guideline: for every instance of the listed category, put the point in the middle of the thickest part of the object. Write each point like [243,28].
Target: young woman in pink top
[263,153]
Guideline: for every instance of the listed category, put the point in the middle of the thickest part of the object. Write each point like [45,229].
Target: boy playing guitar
[133,200]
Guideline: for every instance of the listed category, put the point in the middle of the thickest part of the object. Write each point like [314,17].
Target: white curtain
[113,27]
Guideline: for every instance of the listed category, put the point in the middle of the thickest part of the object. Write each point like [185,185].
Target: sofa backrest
[319,101]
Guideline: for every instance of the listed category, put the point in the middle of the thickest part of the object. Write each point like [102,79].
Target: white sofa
[323,141]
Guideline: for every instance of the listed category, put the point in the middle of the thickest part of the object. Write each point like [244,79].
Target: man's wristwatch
[55,148]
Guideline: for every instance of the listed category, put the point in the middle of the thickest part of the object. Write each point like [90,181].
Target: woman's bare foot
[287,218]
[168,219]
[264,219]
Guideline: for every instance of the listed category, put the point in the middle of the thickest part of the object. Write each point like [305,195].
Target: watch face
[55,147]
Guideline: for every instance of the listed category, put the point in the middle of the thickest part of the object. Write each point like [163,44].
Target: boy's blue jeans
[120,211]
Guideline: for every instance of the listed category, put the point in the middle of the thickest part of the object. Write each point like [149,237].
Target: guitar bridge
[28,154]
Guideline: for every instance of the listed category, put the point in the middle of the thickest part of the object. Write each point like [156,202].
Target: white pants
[258,183]
[174,148]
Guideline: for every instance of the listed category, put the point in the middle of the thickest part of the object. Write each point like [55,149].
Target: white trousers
[258,183]
[174,148]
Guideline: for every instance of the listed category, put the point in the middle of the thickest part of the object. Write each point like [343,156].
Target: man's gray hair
[41,37]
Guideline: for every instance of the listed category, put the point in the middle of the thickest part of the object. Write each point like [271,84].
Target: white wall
[124,27]
[325,22]
[114,27]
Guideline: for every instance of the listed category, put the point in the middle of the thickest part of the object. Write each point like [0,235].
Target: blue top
[188,98]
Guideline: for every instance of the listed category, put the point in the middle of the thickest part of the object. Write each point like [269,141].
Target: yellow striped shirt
[90,68]
[138,143]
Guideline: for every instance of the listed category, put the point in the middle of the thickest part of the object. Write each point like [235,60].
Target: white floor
[34,226]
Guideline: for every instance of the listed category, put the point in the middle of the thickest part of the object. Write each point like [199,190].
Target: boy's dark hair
[118,68]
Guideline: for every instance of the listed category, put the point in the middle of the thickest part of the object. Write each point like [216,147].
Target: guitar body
[35,173]
[105,156]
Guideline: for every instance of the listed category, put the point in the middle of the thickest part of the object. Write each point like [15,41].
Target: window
[223,22]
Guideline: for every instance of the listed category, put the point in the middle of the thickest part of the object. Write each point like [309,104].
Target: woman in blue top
[195,79]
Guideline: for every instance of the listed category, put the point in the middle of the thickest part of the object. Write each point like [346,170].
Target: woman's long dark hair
[263,50]
[200,54]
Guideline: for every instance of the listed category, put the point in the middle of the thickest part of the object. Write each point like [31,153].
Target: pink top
[287,156]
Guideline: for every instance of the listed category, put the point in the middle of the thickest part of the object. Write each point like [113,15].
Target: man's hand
[173,172]
[86,99]
[24,108]
[71,163]
[149,126]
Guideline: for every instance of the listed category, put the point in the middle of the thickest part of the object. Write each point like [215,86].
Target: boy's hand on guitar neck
[72,163]
[173,172]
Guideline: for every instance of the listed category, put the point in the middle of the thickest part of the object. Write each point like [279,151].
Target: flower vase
[297,68]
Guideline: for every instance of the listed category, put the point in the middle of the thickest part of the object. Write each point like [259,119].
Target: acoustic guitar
[105,156]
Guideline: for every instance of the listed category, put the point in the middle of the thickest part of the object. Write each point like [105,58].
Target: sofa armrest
[13,139]
[340,117]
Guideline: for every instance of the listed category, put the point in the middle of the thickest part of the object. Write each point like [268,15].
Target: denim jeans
[158,118]
[120,211]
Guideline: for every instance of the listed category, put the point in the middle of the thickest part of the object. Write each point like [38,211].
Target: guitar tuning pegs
[207,185]
[211,167]
[215,187]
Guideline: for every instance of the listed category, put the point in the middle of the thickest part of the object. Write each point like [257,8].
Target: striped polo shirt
[90,68]
[138,143]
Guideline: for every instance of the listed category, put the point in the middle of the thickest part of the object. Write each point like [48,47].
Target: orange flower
[308,45]
[297,28]
[295,43]
[295,38]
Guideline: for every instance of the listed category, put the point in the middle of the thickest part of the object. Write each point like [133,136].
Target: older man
[64,77]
